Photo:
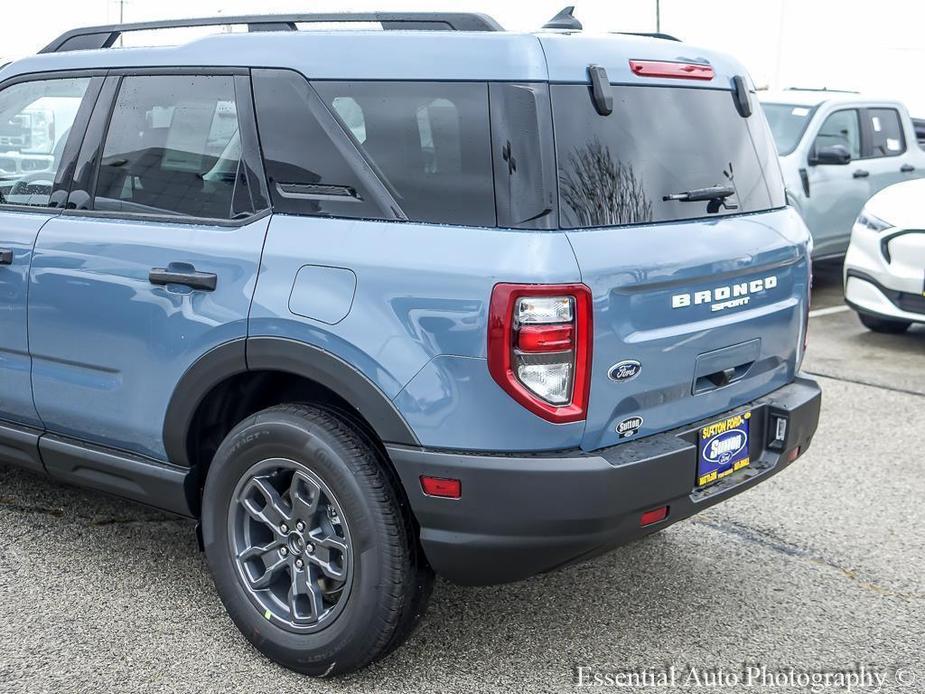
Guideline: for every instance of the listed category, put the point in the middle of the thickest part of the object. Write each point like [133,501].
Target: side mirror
[837,155]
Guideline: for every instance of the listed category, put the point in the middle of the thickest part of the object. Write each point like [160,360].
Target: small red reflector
[545,338]
[793,455]
[665,68]
[653,516]
[441,486]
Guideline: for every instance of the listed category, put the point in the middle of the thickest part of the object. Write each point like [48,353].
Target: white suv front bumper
[885,273]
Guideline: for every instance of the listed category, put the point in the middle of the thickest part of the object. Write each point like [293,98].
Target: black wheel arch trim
[321,366]
[277,354]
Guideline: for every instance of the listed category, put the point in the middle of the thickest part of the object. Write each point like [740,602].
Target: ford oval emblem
[625,370]
[726,446]
[629,426]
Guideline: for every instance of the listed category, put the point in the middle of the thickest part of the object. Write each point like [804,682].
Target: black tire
[387,583]
[883,325]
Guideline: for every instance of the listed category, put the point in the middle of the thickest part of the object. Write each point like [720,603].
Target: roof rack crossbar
[90,38]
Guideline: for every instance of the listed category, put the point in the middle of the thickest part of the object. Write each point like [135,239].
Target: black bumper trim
[521,515]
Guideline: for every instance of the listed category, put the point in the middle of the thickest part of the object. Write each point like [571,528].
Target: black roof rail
[90,38]
[653,35]
[821,89]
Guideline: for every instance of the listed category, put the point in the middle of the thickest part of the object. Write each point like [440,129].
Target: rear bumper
[524,514]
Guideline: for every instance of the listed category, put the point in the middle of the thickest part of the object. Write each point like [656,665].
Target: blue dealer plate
[722,448]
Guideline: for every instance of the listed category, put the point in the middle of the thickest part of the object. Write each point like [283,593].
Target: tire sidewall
[299,439]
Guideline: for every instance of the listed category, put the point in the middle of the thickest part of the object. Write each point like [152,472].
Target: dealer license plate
[722,448]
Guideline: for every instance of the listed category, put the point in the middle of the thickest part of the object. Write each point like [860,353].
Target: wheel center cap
[296,543]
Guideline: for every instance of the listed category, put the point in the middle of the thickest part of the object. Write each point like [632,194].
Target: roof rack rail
[653,35]
[821,89]
[90,38]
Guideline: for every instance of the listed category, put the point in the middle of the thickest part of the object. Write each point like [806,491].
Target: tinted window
[35,121]
[841,128]
[658,141]
[312,168]
[524,159]
[429,141]
[173,147]
[788,122]
[886,132]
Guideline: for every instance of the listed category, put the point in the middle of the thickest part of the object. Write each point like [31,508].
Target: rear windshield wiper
[714,195]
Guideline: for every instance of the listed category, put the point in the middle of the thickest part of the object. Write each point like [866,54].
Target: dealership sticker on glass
[723,448]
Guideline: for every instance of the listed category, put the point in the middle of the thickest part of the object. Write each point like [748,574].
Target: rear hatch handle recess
[714,196]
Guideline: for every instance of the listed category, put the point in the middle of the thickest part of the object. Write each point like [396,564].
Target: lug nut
[299,563]
[284,528]
[309,548]
[284,551]
[300,526]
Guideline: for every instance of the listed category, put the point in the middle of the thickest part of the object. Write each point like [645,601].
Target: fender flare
[288,356]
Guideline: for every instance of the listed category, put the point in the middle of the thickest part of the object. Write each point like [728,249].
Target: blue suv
[373,305]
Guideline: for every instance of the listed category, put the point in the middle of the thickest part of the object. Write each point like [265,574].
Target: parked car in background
[885,264]
[837,149]
[919,125]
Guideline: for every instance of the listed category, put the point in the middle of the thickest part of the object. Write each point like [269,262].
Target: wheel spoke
[305,593]
[272,563]
[330,555]
[304,493]
[273,512]
[257,551]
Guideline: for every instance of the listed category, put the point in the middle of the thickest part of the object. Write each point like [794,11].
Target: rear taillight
[671,69]
[539,347]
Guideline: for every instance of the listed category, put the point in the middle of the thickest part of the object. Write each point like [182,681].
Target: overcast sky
[875,47]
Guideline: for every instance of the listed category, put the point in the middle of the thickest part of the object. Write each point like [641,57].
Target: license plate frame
[723,448]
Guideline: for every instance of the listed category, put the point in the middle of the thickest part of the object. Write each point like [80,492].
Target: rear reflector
[664,68]
[441,486]
[653,516]
[794,454]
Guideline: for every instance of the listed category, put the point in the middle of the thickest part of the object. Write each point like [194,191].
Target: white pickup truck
[837,149]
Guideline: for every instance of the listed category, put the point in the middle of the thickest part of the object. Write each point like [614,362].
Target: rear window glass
[429,141]
[658,141]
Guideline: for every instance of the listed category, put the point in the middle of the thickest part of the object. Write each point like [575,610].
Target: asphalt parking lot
[820,569]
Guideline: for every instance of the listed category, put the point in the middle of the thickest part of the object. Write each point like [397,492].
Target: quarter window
[841,128]
[35,121]
[429,141]
[886,132]
[173,148]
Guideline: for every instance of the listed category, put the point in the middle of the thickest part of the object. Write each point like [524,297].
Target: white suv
[885,264]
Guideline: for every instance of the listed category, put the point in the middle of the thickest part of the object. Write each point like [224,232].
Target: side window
[841,128]
[173,148]
[429,141]
[312,167]
[35,121]
[886,132]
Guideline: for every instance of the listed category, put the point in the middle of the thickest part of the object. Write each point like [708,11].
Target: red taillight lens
[441,486]
[539,347]
[673,70]
[545,338]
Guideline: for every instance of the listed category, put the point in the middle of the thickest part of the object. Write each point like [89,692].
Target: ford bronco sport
[372,305]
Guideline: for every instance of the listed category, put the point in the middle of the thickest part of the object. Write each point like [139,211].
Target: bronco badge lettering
[729,296]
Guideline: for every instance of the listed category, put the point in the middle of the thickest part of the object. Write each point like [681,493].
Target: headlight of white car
[872,222]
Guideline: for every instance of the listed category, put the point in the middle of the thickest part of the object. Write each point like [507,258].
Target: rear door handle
[189,278]
[6,256]
[907,168]
[861,173]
